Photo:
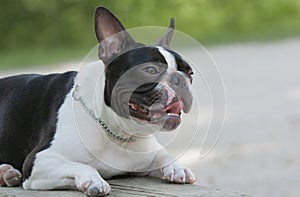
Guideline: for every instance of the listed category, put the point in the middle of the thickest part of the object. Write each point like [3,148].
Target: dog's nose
[177,79]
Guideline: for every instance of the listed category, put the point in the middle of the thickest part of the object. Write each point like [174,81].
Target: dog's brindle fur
[33,109]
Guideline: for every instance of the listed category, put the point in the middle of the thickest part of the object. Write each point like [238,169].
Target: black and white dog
[73,130]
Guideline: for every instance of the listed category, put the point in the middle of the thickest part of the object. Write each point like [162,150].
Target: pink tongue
[174,108]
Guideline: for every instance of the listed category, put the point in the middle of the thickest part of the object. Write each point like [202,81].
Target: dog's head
[150,84]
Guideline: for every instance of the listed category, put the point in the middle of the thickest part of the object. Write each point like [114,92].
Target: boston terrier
[76,129]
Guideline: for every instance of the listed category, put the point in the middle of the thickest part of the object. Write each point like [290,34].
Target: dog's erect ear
[111,34]
[166,39]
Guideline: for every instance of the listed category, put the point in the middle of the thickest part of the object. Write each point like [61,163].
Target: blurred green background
[40,32]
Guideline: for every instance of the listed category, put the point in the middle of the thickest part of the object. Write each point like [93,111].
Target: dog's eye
[151,70]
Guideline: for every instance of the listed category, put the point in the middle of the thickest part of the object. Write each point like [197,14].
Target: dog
[76,129]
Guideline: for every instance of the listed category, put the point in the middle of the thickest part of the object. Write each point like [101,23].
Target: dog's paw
[9,176]
[95,187]
[178,174]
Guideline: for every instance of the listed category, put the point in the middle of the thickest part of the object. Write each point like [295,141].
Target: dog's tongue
[174,108]
[172,118]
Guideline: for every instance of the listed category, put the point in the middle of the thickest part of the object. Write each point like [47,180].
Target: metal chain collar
[98,120]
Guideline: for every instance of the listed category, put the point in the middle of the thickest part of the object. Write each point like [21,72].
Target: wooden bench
[128,187]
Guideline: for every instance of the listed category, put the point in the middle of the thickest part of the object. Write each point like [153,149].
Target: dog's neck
[88,91]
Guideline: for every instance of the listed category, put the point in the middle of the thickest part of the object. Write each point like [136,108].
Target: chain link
[98,120]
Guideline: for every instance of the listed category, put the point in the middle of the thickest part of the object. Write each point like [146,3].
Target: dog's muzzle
[162,103]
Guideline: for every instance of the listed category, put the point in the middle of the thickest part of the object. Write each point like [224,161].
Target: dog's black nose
[177,79]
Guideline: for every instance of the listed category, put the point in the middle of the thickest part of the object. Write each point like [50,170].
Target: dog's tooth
[131,105]
[136,107]
[172,114]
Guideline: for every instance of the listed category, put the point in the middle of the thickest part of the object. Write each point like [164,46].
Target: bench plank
[132,186]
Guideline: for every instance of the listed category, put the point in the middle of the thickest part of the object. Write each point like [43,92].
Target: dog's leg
[171,170]
[9,176]
[54,172]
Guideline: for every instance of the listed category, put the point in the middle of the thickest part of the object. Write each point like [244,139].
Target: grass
[25,57]
[60,23]
[270,34]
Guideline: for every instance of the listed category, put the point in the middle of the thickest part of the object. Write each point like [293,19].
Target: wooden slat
[132,186]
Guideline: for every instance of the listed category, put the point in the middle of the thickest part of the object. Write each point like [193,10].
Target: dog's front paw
[178,174]
[9,176]
[95,187]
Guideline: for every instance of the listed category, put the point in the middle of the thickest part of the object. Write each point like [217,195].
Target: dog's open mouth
[170,115]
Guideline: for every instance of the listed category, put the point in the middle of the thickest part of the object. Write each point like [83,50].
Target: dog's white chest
[79,139]
[113,162]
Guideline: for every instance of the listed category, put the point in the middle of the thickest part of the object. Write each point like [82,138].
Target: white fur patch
[169,58]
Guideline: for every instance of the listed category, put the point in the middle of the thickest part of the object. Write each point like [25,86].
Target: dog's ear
[166,39]
[111,34]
